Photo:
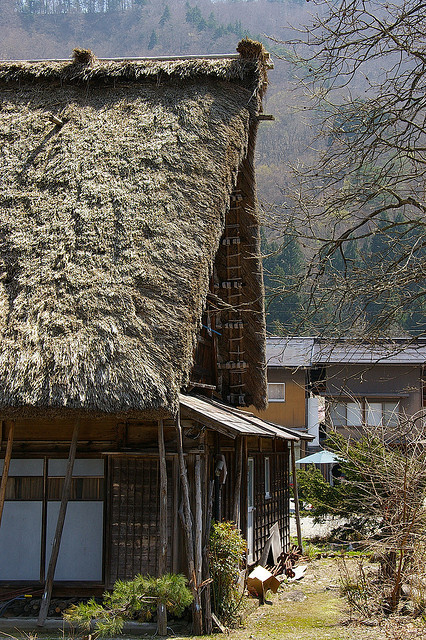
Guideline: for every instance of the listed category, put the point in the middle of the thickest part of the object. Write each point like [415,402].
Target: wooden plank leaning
[5,473]
[45,601]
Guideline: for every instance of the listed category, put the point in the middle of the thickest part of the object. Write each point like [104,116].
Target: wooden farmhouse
[131,319]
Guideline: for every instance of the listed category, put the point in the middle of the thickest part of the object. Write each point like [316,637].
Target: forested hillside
[49,28]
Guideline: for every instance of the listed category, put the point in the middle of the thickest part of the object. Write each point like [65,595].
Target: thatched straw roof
[115,181]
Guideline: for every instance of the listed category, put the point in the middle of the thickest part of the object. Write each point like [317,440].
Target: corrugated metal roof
[277,429]
[382,351]
[233,420]
[289,352]
[293,352]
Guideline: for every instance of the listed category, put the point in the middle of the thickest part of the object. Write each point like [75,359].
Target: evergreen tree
[153,40]
[392,236]
[282,265]
[194,16]
[166,15]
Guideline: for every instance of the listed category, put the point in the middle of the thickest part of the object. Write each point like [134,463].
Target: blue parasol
[320,457]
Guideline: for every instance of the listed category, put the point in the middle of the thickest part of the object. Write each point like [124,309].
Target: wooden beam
[197,613]
[66,490]
[162,555]
[5,474]
[296,497]
[198,521]
[236,514]
[265,116]
[206,595]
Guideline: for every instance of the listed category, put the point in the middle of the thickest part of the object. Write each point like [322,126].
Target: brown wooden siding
[268,510]
[273,509]
[134,516]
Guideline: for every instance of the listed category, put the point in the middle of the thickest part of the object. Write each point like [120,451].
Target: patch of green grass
[321,611]
[312,551]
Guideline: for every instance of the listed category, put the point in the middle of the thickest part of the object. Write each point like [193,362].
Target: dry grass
[313,609]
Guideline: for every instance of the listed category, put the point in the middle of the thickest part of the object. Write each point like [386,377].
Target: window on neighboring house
[374,414]
[346,414]
[267,478]
[353,414]
[382,413]
[276,391]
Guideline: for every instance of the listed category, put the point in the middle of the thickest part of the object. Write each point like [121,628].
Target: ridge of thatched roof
[116,178]
[230,70]
[85,67]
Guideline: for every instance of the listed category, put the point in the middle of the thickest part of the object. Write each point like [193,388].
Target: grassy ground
[310,609]
[306,610]
[313,609]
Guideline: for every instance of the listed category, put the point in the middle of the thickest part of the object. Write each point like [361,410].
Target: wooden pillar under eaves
[296,497]
[208,511]
[66,491]
[6,465]
[198,533]
[197,613]
[236,512]
[162,556]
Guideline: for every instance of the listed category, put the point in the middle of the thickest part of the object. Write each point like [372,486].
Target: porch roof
[231,421]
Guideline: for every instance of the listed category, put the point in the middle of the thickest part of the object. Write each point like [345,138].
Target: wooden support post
[236,513]
[175,541]
[5,474]
[45,601]
[217,486]
[162,556]
[189,536]
[198,521]
[296,497]
[207,609]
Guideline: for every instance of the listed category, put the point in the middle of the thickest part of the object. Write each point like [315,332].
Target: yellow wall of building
[291,412]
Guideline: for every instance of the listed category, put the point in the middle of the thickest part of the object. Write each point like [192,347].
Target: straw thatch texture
[242,71]
[111,215]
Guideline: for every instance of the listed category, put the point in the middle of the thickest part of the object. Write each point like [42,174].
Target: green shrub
[324,498]
[129,600]
[227,552]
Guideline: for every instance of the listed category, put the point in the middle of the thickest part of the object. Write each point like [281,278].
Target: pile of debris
[275,566]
